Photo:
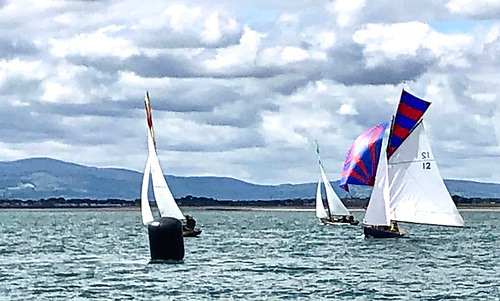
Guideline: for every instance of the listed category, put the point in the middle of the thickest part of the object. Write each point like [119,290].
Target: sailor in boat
[188,229]
[190,223]
[392,228]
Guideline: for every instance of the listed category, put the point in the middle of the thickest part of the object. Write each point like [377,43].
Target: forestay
[417,191]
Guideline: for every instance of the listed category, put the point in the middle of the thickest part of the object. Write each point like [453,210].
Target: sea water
[244,255]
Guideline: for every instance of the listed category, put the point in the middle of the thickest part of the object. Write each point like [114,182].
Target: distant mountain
[37,178]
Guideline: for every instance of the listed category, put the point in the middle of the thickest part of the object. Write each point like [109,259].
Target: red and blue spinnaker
[410,111]
[362,159]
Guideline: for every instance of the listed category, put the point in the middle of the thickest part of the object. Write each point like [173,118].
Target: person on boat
[394,227]
[190,223]
[350,219]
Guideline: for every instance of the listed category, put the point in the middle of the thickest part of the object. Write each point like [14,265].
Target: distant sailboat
[165,201]
[334,213]
[407,184]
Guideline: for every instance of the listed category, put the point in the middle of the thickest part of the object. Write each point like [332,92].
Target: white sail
[147,216]
[334,203]
[164,199]
[417,191]
[377,212]
[320,209]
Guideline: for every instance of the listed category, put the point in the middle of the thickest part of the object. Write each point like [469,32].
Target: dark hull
[191,233]
[379,233]
[338,222]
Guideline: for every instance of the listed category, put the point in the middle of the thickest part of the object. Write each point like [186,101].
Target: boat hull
[191,233]
[379,233]
[339,222]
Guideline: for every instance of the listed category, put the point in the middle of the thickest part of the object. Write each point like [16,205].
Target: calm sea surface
[244,255]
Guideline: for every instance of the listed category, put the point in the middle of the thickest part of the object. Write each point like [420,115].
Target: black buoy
[165,239]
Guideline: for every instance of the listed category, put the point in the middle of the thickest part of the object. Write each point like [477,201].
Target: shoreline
[225,208]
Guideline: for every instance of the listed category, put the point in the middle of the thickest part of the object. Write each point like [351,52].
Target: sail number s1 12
[426,165]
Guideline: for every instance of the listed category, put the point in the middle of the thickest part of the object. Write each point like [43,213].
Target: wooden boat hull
[191,233]
[379,233]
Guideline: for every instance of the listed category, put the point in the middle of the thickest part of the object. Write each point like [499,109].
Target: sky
[244,88]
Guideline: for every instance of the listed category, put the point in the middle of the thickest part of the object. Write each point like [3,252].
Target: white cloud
[347,109]
[243,54]
[99,43]
[287,17]
[474,8]
[24,69]
[346,10]
[382,41]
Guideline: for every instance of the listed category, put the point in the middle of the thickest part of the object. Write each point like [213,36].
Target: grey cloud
[347,66]
[16,85]
[142,65]
[13,48]
[389,11]
[165,38]
[169,66]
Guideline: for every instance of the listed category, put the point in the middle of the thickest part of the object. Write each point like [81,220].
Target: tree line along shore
[191,201]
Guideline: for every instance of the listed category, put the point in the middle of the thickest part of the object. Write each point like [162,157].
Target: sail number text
[426,165]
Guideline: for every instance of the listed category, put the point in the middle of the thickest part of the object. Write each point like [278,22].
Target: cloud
[475,9]
[244,88]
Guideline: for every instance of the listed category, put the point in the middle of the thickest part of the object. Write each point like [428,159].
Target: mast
[163,196]
[390,136]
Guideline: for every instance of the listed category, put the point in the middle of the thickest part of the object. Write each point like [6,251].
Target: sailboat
[333,212]
[407,184]
[165,202]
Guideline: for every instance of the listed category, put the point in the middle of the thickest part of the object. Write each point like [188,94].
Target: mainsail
[147,215]
[163,197]
[336,207]
[320,209]
[417,191]
[377,212]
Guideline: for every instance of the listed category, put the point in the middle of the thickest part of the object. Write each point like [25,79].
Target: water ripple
[278,255]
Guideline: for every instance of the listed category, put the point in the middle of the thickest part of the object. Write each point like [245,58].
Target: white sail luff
[320,209]
[334,203]
[163,197]
[417,191]
[377,212]
[147,215]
